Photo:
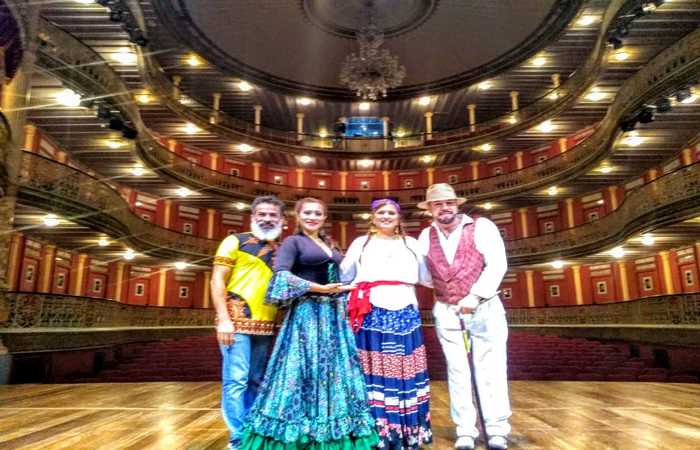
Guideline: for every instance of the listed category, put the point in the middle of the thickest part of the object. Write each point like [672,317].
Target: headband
[376,204]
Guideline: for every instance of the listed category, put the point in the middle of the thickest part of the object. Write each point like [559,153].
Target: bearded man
[245,324]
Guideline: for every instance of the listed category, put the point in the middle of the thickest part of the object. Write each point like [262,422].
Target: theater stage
[546,415]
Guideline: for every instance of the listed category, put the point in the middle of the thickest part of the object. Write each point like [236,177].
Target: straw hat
[440,191]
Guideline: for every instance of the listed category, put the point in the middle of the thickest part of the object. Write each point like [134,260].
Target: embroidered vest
[452,282]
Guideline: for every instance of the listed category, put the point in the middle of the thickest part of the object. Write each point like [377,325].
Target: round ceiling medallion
[346,17]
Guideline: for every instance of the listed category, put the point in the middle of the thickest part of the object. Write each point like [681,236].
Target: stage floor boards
[546,415]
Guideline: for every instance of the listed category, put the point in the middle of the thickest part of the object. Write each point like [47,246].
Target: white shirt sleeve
[489,243]
[348,267]
[423,246]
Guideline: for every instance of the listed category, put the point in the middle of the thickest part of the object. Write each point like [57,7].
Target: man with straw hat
[467,260]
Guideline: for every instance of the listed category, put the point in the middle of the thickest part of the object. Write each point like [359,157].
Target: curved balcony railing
[527,116]
[4,143]
[674,66]
[666,310]
[84,199]
[668,199]
[32,310]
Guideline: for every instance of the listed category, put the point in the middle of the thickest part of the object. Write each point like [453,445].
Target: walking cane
[470,359]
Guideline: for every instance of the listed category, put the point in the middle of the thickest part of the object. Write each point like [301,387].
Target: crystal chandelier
[374,70]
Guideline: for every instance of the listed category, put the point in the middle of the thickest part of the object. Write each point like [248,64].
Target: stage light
[424,101]
[648,240]
[364,106]
[181,265]
[663,105]
[51,220]
[129,132]
[68,97]
[244,86]
[183,192]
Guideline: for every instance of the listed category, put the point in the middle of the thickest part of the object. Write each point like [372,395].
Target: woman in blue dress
[313,396]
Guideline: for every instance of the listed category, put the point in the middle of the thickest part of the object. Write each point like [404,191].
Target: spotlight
[116,15]
[103,112]
[646,115]
[663,105]
[628,124]
[683,94]
[129,132]
[116,124]
[615,42]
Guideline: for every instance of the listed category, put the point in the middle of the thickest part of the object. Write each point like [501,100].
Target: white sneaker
[498,443]
[464,443]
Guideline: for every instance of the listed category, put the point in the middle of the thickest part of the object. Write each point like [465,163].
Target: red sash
[358,303]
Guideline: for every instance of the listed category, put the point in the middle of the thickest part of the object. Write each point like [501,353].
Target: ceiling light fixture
[181,265]
[68,97]
[304,159]
[557,264]
[304,101]
[247,148]
[372,71]
[486,147]
[595,95]
[194,61]
[124,56]
[50,220]
[129,254]
[648,240]
[424,101]
[539,61]
[427,158]
[553,191]
[137,171]
[144,99]
[633,140]
[183,192]
[487,205]
[363,106]
[240,206]
[545,126]
[191,128]
[621,55]
[484,85]
[364,163]
[605,169]
[103,242]
[586,20]
[244,86]
[114,144]
[617,252]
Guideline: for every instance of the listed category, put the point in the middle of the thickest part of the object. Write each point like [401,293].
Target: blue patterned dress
[313,395]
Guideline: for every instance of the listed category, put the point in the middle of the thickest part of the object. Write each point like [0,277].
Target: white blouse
[386,260]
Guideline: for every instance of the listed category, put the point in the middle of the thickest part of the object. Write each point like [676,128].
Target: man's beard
[446,219]
[265,235]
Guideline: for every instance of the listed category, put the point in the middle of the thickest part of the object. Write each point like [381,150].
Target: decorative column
[48,261]
[213,161]
[523,222]
[578,285]
[14,261]
[471,109]
[519,160]
[258,117]
[214,118]
[530,283]
[430,171]
[475,169]
[570,221]
[77,276]
[687,156]
[167,206]
[205,290]
[300,126]
[514,106]
[556,80]
[428,125]
[563,145]
[666,272]
[343,234]
[162,281]
[256,171]
[385,178]
[343,181]
[300,177]
[613,197]
[211,216]
[177,79]
[624,282]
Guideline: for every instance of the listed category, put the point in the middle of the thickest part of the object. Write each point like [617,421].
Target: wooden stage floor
[546,415]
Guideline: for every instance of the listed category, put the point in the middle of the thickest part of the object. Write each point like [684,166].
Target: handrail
[672,197]
[40,311]
[440,141]
[672,309]
[87,200]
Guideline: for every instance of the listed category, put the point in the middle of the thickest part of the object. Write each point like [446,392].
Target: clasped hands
[467,305]
[335,288]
